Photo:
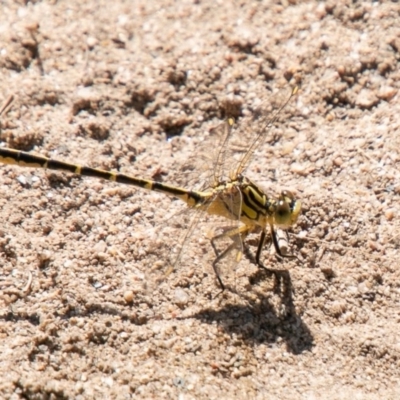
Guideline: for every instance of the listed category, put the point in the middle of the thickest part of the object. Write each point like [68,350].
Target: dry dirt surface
[135,86]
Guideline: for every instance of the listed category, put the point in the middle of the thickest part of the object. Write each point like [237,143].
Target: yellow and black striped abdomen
[23,159]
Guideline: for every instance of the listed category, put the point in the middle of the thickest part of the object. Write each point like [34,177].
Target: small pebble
[389,214]
[128,296]
[180,297]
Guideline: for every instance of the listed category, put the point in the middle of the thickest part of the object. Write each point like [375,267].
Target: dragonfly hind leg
[237,235]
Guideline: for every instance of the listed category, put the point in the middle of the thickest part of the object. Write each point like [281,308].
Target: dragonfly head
[287,210]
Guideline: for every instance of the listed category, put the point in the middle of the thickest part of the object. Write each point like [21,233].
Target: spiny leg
[280,274]
[241,232]
[256,259]
[260,246]
[282,281]
[219,258]
[276,245]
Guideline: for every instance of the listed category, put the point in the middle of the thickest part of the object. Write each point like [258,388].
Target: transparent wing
[211,160]
[255,132]
[225,151]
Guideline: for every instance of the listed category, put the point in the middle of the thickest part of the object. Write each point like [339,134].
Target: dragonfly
[231,195]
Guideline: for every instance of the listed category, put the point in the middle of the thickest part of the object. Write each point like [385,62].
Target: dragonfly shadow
[258,321]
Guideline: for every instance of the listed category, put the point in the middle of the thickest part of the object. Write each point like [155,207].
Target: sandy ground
[135,87]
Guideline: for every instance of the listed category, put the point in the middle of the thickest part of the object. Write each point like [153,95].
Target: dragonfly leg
[237,235]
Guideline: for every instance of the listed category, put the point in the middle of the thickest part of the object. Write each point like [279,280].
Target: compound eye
[283,213]
[287,195]
[287,209]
